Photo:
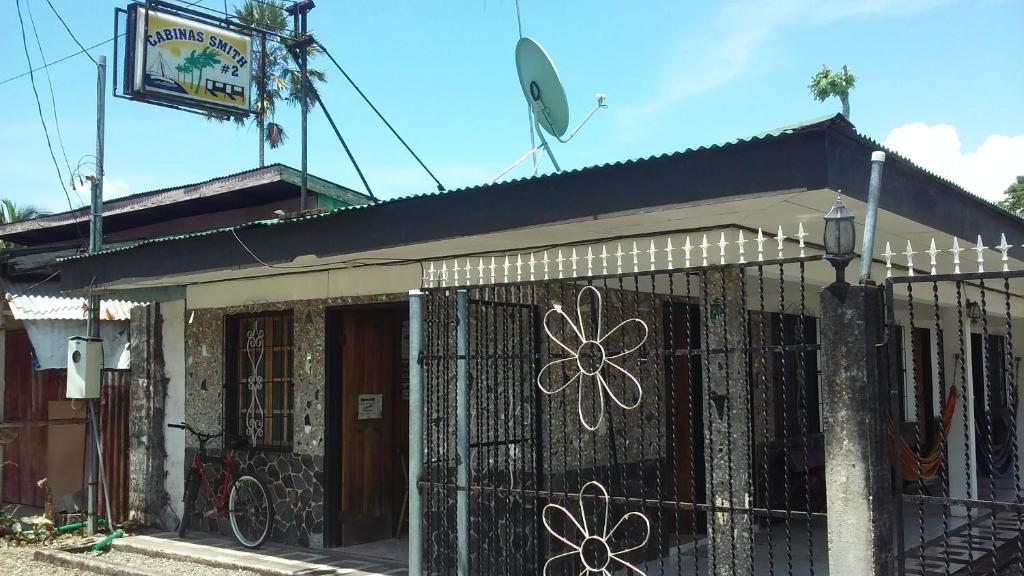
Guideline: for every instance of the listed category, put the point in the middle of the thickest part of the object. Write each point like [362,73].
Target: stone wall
[296,478]
[148,500]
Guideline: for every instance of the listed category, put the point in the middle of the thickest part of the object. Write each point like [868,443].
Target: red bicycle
[244,501]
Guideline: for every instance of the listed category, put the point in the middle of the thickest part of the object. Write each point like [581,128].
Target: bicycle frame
[219,498]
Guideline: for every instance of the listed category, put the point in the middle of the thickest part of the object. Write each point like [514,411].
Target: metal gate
[954,385]
[629,412]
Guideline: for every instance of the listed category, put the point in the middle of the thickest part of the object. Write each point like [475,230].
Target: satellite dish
[541,87]
[549,109]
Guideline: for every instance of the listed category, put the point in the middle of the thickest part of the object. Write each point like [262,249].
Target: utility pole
[93,321]
[298,12]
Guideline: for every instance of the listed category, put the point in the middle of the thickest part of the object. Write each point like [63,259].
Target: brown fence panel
[114,404]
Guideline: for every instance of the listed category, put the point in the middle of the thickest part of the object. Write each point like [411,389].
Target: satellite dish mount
[549,109]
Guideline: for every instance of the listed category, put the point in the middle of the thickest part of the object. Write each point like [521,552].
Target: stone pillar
[147,495]
[727,424]
[857,466]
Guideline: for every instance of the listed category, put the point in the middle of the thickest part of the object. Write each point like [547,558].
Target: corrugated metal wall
[27,395]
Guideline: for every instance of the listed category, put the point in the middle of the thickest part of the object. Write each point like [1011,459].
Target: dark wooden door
[685,417]
[368,384]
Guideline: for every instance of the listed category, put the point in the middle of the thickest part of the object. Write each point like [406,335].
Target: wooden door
[685,398]
[368,377]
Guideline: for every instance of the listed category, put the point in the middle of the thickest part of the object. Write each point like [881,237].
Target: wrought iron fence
[600,418]
[956,445]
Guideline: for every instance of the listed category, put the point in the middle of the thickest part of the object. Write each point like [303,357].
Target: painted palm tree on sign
[201,61]
[826,84]
[182,68]
[10,212]
[275,75]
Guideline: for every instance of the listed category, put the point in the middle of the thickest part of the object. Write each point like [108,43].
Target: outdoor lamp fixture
[973,311]
[839,238]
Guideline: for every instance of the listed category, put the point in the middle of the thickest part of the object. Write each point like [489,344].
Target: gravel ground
[18,560]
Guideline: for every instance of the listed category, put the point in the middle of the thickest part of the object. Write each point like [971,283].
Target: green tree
[826,84]
[10,212]
[275,74]
[1013,198]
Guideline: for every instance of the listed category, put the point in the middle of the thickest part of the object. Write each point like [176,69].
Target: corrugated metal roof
[28,307]
[824,121]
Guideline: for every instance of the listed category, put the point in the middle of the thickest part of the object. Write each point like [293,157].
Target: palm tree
[205,59]
[275,75]
[826,84]
[10,212]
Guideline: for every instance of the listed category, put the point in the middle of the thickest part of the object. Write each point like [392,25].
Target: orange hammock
[916,467]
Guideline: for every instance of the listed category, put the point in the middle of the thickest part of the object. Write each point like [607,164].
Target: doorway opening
[367,425]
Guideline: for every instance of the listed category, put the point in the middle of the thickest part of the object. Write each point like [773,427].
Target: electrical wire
[84,50]
[53,100]
[11,296]
[344,145]
[39,108]
[337,132]
[57,61]
[70,33]
[440,187]
[529,109]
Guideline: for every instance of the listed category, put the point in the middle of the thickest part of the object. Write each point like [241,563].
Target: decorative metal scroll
[592,544]
[590,355]
[254,347]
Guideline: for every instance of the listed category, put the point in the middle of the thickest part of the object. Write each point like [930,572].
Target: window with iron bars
[259,395]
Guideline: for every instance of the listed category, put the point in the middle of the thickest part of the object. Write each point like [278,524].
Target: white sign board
[371,407]
[179,60]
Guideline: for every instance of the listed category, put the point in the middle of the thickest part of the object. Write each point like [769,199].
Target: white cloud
[986,171]
[112,188]
[732,37]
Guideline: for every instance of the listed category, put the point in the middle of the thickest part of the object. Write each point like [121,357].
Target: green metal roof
[835,120]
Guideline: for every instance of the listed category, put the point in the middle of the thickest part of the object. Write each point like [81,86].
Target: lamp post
[839,238]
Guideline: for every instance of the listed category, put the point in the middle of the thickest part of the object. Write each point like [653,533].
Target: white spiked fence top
[626,256]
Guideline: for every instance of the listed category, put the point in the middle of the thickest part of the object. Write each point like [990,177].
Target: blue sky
[941,81]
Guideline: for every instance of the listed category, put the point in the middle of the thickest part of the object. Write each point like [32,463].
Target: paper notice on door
[371,406]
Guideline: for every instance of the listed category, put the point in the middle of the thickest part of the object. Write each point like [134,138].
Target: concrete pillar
[857,466]
[147,496]
[962,459]
[727,428]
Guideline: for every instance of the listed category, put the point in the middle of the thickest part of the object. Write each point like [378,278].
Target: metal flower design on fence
[589,357]
[592,544]
[254,413]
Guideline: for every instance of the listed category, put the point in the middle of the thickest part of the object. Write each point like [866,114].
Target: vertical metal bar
[919,420]
[940,363]
[765,319]
[874,191]
[415,431]
[989,451]
[462,429]
[95,244]
[895,386]
[1014,398]
[691,312]
[304,68]
[968,409]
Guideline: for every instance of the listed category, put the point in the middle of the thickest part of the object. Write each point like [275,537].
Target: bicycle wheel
[191,488]
[250,512]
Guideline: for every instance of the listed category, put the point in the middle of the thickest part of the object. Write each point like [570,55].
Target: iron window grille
[259,397]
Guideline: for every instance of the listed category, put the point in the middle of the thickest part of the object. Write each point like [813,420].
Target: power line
[49,82]
[70,33]
[57,61]
[343,144]
[39,108]
[84,50]
[440,186]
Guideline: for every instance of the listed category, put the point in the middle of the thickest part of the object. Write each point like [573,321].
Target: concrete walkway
[271,560]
